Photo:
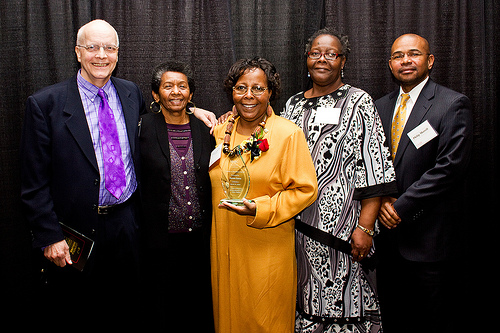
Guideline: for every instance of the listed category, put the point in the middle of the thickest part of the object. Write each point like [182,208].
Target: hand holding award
[235,180]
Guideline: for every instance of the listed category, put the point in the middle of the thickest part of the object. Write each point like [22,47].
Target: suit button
[96,182]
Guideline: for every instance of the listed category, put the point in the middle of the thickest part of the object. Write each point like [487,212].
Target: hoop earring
[188,108]
[151,107]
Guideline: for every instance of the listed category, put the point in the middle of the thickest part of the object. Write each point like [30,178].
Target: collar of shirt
[89,90]
[88,93]
[414,93]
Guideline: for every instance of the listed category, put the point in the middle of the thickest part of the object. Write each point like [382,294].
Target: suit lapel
[77,122]
[387,113]
[130,114]
[420,109]
[162,136]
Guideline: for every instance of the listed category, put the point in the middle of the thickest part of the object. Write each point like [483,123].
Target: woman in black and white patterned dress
[334,242]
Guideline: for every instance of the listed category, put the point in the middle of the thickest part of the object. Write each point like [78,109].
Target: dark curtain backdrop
[37,41]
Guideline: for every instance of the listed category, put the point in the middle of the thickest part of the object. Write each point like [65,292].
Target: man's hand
[58,253]
[387,214]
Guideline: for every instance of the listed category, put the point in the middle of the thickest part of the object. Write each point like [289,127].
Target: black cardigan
[156,176]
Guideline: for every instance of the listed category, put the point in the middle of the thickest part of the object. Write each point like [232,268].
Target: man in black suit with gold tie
[430,131]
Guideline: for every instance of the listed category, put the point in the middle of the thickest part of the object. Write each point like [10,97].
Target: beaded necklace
[252,144]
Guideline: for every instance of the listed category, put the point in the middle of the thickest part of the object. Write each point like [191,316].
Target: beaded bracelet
[366,230]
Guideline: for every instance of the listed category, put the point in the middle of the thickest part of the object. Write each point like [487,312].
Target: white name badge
[422,134]
[327,115]
[215,156]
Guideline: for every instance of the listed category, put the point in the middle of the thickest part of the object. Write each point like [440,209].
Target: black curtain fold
[38,38]
[196,32]
[277,31]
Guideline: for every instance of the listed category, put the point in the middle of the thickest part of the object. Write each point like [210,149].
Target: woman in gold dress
[252,245]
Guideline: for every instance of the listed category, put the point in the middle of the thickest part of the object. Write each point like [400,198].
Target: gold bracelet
[367,231]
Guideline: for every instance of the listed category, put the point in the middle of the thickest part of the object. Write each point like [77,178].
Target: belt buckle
[104,210]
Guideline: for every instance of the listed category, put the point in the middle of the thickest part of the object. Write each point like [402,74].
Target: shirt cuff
[263,209]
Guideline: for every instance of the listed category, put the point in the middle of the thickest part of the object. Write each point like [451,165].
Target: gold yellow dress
[253,258]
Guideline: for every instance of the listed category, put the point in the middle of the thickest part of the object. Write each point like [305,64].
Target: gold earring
[151,107]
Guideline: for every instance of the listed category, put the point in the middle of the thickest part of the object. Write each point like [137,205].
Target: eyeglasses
[109,49]
[328,55]
[242,90]
[399,56]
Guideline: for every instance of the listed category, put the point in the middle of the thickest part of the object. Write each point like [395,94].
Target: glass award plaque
[235,180]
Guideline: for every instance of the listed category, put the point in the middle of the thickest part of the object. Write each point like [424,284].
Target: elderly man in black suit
[430,131]
[78,168]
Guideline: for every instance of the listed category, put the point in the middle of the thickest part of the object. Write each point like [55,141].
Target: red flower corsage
[263,145]
[256,147]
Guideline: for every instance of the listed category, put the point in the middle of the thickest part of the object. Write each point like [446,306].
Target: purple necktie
[114,170]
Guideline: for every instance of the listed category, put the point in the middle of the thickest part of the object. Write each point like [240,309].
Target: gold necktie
[398,123]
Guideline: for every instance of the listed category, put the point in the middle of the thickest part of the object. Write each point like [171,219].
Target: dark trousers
[417,296]
[108,289]
[177,285]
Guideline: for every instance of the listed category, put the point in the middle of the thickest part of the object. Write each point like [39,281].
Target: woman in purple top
[176,193]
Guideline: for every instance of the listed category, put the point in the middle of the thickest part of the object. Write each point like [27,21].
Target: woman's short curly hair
[241,66]
[344,40]
[172,66]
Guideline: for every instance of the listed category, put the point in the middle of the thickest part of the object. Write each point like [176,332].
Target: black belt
[105,210]
[330,320]
[323,237]
[331,241]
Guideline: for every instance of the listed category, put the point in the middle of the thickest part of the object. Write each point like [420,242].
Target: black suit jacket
[156,175]
[60,177]
[430,179]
